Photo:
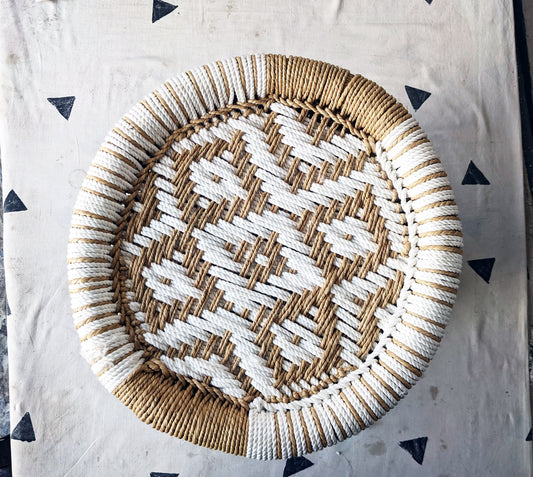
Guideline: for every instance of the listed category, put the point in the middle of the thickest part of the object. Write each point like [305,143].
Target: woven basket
[263,256]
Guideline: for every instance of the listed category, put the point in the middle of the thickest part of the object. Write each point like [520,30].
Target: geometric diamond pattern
[291,253]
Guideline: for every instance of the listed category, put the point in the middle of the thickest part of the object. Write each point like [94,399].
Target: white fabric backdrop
[473,403]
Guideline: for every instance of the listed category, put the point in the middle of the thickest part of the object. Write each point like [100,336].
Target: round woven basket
[263,256]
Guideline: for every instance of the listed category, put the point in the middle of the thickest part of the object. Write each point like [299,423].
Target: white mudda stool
[263,256]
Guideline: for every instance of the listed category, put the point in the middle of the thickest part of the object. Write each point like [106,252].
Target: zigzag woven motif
[263,256]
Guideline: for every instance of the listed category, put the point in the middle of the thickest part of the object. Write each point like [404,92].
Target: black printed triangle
[417,96]
[63,105]
[429,1]
[162,474]
[483,267]
[474,176]
[416,447]
[161,9]
[295,465]
[24,430]
[12,203]
[528,438]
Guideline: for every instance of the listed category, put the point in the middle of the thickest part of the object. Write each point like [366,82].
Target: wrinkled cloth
[473,402]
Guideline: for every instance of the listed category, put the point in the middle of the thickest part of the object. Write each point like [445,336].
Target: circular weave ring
[263,256]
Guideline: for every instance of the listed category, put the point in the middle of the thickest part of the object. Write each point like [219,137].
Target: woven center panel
[263,254]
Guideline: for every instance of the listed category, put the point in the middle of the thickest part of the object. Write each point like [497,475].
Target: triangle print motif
[528,437]
[483,267]
[12,203]
[63,105]
[429,1]
[161,9]
[474,176]
[417,96]
[24,430]
[416,447]
[162,474]
[295,465]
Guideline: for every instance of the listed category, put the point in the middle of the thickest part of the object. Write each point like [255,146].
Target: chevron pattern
[293,240]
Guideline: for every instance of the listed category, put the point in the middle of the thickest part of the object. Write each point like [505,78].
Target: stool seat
[263,256]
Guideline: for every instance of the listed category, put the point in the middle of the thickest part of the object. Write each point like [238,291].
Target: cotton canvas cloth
[70,70]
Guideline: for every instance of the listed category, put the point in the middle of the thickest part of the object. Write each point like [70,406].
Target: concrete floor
[527,7]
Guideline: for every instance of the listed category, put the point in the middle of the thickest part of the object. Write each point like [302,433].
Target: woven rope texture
[263,256]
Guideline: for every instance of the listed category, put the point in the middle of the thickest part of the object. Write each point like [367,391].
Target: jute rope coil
[263,256]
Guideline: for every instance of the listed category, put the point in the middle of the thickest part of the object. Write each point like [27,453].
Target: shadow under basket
[263,256]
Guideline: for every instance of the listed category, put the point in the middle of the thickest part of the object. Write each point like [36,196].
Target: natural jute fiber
[263,256]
